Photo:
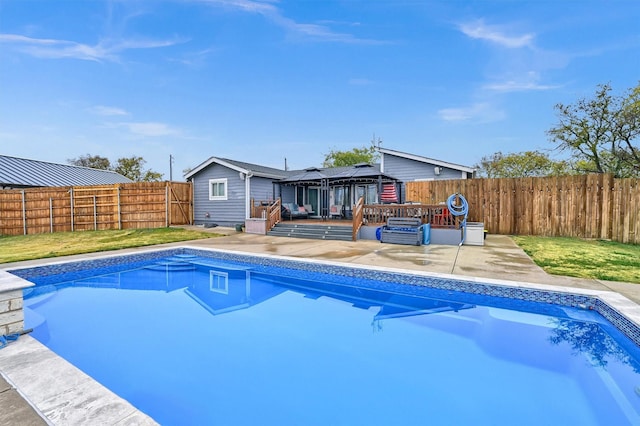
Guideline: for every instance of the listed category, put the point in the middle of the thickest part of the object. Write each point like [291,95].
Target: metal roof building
[22,173]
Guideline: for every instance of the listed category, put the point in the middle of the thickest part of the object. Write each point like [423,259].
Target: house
[224,188]
[17,173]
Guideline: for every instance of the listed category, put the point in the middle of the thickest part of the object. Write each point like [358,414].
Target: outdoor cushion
[291,210]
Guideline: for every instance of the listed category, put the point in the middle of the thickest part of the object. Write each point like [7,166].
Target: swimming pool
[193,339]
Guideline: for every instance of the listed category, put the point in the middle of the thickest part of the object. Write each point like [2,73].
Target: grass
[29,247]
[575,257]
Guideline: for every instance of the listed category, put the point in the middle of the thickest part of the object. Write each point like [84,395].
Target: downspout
[247,195]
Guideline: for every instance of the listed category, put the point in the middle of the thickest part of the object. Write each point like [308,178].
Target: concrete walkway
[500,258]
[15,410]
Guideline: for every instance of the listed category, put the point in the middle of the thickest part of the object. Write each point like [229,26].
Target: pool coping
[66,394]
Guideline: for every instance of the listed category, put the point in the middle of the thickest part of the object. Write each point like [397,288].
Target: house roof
[305,176]
[21,172]
[313,174]
[427,160]
[361,172]
[241,167]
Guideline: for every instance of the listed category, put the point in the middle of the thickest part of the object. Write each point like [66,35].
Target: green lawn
[29,247]
[574,257]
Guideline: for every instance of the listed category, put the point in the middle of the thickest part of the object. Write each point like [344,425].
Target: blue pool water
[193,340]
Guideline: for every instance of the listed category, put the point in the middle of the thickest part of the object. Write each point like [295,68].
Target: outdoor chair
[335,211]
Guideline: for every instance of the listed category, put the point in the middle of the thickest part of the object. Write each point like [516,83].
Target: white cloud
[60,49]
[195,59]
[476,113]
[151,129]
[107,111]
[518,86]
[520,83]
[479,30]
[260,7]
[319,31]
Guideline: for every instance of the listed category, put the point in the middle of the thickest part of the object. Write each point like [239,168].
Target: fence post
[166,205]
[171,194]
[119,211]
[95,217]
[72,216]
[50,215]
[24,214]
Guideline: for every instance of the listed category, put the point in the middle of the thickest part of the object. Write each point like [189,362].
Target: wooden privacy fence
[81,208]
[587,206]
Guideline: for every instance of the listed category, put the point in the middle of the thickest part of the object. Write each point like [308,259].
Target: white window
[217,189]
[219,282]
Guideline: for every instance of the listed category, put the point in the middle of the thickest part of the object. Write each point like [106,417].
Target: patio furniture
[309,210]
[335,211]
[292,211]
[402,230]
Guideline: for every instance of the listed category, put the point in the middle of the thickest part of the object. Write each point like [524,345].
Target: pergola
[359,174]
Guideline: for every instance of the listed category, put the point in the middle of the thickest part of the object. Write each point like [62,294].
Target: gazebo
[342,186]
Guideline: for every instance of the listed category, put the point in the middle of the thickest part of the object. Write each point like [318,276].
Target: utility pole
[170,168]
[376,143]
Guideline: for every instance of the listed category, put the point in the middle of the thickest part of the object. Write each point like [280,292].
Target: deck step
[316,232]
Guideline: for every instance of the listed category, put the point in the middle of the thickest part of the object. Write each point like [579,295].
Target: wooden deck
[438,216]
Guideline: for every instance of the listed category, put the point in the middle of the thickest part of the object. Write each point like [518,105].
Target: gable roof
[23,173]
[427,160]
[240,166]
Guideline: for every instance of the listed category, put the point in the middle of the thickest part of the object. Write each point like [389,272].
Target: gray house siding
[408,170]
[225,212]
[262,189]
[288,194]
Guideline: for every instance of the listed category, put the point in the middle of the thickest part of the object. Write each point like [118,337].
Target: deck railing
[437,215]
[274,213]
[358,218]
[269,210]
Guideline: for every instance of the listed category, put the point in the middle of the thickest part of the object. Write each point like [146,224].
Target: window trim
[218,197]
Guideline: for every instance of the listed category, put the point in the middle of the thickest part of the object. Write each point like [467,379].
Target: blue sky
[263,80]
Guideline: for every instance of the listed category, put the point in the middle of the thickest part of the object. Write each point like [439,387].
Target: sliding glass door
[313,199]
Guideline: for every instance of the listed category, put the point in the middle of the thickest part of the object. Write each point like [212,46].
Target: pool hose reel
[460,209]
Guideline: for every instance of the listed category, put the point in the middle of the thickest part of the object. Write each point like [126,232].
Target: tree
[132,168]
[522,164]
[630,131]
[348,158]
[129,167]
[93,161]
[601,132]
